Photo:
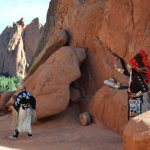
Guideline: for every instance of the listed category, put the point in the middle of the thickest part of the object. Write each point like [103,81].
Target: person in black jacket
[24,110]
[138,72]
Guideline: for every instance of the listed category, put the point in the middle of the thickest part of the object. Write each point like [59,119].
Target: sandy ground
[61,132]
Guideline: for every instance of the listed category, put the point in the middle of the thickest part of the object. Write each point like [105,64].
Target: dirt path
[62,132]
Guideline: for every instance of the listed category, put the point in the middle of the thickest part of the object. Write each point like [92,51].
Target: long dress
[137,84]
[25,106]
[24,120]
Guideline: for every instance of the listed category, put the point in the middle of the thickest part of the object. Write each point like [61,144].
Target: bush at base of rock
[9,83]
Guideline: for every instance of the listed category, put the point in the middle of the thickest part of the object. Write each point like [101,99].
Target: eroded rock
[58,40]
[110,106]
[13,60]
[5,97]
[137,133]
[50,82]
[31,38]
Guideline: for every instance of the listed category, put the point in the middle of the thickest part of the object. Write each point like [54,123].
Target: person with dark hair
[139,75]
[24,113]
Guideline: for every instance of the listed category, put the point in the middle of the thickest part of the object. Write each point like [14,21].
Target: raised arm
[123,71]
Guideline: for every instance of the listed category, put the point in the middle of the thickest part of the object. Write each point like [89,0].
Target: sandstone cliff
[18,44]
[13,60]
[31,37]
[122,27]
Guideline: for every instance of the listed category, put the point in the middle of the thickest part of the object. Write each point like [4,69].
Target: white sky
[12,10]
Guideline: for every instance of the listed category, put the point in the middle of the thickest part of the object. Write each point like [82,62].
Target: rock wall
[13,60]
[120,26]
[137,133]
[31,37]
[107,30]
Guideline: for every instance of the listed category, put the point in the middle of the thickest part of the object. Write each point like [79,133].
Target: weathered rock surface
[75,95]
[111,107]
[5,97]
[31,38]
[50,82]
[58,40]
[13,60]
[107,29]
[49,26]
[121,26]
[137,133]
[12,43]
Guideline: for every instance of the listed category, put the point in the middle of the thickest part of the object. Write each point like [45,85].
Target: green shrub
[9,83]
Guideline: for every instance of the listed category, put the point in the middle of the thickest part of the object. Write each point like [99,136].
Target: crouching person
[24,113]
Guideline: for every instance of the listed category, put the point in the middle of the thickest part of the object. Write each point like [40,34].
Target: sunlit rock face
[121,26]
[137,133]
[50,82]
[111,108]
[13,59]
[18,44]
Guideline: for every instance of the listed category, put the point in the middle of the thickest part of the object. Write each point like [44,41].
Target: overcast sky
[12,10]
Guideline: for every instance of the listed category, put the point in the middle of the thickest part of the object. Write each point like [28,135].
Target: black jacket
[138,82]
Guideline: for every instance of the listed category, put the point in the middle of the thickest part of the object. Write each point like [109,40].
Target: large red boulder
[137,133]
[5,97]
[58,40]
[50,82]
[110,106]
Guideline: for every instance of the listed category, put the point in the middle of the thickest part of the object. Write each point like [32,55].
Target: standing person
[24,113]
[139,76]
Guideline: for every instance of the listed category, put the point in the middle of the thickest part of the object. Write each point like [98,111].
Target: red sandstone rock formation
[122,26]
[137,133]
[50,82]
[15,48]
[107,29]
[13,60]
[111,107]
[31,38]
[4,98]
[58,39]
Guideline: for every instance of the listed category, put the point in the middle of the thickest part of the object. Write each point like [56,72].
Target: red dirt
[61,132]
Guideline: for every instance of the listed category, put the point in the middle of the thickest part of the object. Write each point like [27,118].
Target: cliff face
[31,38]
[13,60]
[15,48]
[101,27]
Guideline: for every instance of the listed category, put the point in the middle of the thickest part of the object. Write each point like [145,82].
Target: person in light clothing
[24,113]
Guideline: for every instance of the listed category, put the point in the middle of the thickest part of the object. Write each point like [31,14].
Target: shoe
[12,137]
[29,135]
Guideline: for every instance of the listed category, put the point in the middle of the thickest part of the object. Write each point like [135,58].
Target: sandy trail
[61,132]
